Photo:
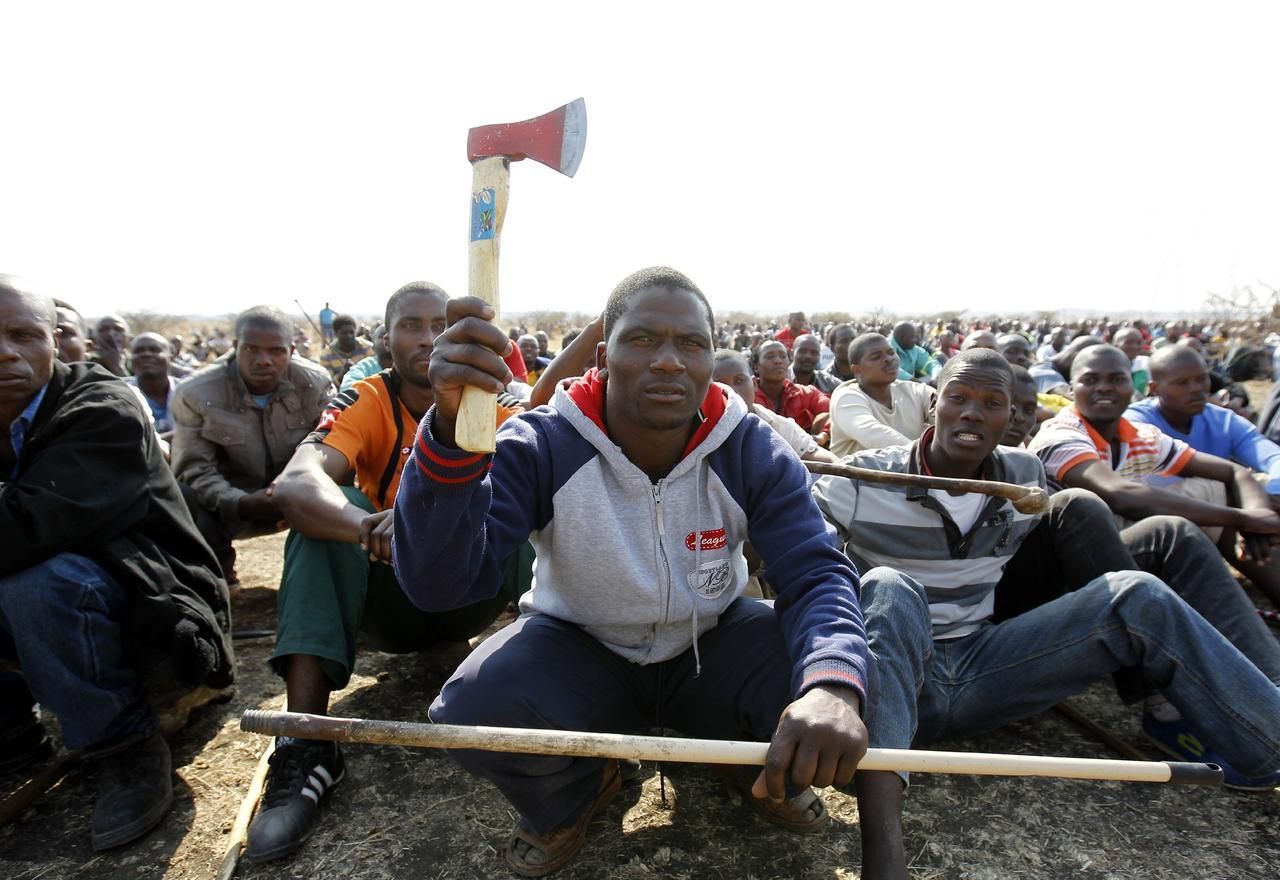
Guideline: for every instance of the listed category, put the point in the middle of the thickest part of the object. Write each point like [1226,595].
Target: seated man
[1015,348]
[237,421]
[925,619]
[372,365]
[651,619]
[345,350]
[534,363]
[733,369]
[151,380]
[879,409]
[74,343]
[111,345]
[915,363]
[1026,409]
[1180,408]
[775,391]
[1130,341]
[103,576]
[1092,446]
[336,583]
[804,365]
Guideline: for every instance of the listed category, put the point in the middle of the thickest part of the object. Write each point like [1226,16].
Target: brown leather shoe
[537,855]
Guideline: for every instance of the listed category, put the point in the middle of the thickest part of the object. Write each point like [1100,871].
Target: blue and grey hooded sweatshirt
[617,553]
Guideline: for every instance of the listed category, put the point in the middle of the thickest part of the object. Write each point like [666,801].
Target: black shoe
[302,772]
[135,790]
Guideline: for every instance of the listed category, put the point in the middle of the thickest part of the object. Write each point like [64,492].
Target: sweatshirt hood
[588,396]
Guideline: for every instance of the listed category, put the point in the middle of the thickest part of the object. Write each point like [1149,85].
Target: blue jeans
[62,622]
[1010,670]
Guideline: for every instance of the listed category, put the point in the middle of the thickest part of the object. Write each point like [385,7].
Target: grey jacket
[225,447]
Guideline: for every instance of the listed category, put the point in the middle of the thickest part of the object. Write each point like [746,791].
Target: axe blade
[555,139]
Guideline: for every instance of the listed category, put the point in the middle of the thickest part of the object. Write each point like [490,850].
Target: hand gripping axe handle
[555,139]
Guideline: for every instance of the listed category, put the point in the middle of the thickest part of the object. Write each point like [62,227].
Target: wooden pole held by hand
[490,181]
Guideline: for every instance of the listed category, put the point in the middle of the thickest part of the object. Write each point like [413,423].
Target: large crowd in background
[673,563]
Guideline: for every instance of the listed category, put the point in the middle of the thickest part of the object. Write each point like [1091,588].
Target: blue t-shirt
[1218,431]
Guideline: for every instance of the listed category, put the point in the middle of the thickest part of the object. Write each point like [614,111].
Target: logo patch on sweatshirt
[712,539]
[711,579]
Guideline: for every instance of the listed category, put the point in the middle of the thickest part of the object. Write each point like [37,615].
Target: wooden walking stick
[555,139]
[239,828]
[704,751]
[1026,499]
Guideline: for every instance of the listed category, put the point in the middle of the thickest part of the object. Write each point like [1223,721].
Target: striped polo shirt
[1067,440]
[907,529]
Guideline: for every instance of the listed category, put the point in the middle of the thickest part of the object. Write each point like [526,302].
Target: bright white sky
[916,157]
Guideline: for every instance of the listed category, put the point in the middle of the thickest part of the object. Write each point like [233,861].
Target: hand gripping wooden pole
[704,751]
[555,139]
[1026,499]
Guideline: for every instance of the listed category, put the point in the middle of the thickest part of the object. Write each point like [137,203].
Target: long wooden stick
[239,828]
[1026,499]
[703,751]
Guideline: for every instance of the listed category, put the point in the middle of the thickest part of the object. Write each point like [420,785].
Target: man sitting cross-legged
[331,589]
[878,408]
[1092,446]
[932,616]
[1181,409]
[639,489]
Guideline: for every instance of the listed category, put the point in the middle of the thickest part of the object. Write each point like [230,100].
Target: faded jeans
[1022,666]
[1077,541]
[62,621]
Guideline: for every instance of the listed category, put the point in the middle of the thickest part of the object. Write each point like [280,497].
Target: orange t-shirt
[361,424]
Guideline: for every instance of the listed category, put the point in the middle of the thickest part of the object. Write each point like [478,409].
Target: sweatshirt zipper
[662,550]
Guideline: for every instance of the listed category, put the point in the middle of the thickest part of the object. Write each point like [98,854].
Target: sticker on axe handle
[482,215]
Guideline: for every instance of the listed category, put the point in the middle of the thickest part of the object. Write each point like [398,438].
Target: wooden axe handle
[490,179]
[1027,499]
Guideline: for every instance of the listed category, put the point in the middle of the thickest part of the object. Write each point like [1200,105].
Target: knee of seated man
[1078,502]
[1179,528]
[884,588]
[67,579]
[1138,586]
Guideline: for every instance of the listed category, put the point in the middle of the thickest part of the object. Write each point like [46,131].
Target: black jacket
[92,481]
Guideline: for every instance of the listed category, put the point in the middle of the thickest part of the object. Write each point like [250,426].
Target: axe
[555,139]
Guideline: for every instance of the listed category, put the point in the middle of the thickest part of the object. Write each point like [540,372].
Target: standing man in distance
[237,421]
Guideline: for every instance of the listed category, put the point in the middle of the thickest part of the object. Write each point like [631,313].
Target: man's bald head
[41,305]
[1172,357]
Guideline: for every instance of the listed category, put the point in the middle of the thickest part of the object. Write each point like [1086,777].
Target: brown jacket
[225,447]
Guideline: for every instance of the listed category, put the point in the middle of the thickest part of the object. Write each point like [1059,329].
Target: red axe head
[555,139]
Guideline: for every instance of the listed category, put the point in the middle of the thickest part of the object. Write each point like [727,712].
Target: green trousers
[331,593]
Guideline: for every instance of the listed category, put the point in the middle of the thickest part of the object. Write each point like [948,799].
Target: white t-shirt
[963,509]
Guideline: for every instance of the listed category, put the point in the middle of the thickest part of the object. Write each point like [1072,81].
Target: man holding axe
[947,670]
[638,490]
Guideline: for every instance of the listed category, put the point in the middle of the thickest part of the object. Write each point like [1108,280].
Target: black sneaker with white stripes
[302,772]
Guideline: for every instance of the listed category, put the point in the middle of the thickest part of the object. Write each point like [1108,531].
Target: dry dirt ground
[407,813]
